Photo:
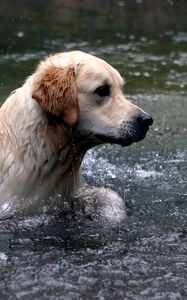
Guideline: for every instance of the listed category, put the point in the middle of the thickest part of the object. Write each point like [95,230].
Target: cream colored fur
[42,143]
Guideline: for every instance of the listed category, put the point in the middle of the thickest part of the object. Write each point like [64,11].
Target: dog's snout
[144,119]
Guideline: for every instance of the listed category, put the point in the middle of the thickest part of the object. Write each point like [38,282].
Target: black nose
[144,119]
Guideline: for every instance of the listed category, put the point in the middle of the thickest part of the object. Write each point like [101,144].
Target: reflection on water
[68,257]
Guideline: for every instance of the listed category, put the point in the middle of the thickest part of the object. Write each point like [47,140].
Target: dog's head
[86,93]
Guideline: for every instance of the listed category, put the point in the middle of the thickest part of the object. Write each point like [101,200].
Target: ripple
[22,57]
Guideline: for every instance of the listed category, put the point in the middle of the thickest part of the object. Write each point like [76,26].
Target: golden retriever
[72,102]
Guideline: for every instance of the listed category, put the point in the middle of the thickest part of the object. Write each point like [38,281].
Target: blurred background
[143,257]
[145,39]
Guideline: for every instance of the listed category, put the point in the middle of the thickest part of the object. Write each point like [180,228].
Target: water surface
[144,257]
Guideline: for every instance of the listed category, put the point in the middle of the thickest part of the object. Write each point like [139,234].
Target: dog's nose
[144,119]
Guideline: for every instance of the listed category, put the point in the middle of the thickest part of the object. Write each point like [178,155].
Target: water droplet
[20,34]
[3,257]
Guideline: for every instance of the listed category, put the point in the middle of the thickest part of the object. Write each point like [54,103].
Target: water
[144,257]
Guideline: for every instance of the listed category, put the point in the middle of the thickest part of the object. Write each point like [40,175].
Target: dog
[71,103]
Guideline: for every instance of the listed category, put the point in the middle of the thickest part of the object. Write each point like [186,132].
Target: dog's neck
[60,138]
[65,158]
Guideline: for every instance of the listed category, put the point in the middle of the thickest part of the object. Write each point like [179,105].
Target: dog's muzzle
[128,133]
[135,131]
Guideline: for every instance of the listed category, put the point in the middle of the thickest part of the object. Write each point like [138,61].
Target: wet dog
[72,102]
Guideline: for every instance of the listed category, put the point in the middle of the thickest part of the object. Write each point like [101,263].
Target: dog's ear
[55,90]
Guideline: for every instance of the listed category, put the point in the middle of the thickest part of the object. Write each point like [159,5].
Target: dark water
[144,257]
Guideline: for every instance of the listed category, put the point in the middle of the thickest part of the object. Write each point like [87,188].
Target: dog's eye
[103,90]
